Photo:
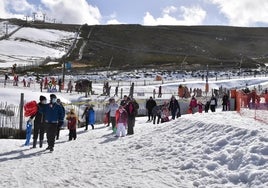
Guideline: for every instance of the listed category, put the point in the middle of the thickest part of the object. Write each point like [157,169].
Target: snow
[30,45]
[44,35]
[6,26]
[221,149]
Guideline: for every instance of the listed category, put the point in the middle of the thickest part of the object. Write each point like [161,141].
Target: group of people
[161,113]
[195,105]
[49,118]
[122,116]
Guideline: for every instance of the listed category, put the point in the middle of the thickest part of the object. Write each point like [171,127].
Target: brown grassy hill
[166,47]
[187,47]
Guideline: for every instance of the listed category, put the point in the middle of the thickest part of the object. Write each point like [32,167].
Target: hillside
[173,46]
[166,47]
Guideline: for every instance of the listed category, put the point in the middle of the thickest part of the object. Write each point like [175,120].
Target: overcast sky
[248,13]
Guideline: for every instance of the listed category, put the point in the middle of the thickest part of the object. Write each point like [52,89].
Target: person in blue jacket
[54,114]
[91,117]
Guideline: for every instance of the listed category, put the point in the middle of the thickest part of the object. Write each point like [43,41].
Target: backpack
[133,108]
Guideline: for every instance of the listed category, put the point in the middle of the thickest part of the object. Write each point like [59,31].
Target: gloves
[60,124]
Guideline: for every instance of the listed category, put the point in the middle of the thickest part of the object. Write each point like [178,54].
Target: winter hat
[42,98]
[53,96]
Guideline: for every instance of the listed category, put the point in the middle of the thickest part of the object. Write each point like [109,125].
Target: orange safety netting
[252,105]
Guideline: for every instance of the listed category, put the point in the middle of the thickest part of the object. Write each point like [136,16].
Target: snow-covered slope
[31,46]
[200,150]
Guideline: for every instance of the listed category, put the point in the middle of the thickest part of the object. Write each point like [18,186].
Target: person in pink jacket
[121,121]
[192,105]
[200,106]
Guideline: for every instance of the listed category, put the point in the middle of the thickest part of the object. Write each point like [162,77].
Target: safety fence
[252,105]
[10,116]
[9,120]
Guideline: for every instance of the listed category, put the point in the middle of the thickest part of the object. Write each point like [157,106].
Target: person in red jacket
[192,105]
[72,121]
[200,106]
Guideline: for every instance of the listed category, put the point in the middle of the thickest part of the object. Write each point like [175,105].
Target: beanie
[42,98]
[53,96]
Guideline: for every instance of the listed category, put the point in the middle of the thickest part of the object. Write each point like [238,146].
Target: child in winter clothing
[192,105]
[89,113]
[164,113]
[72,119]
[207,106]
[91,116]
[200,106]
[111,108]
[157,113]
[121,121]
[213,103]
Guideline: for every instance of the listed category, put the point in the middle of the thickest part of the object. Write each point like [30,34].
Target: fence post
[21,111]
[121,94]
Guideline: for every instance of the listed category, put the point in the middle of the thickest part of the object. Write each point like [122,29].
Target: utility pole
[21,111]
[63,68]
[266,65]
[6,25]
[26,18]
[34,13]
[207,86]
[240,64]
[44,17]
